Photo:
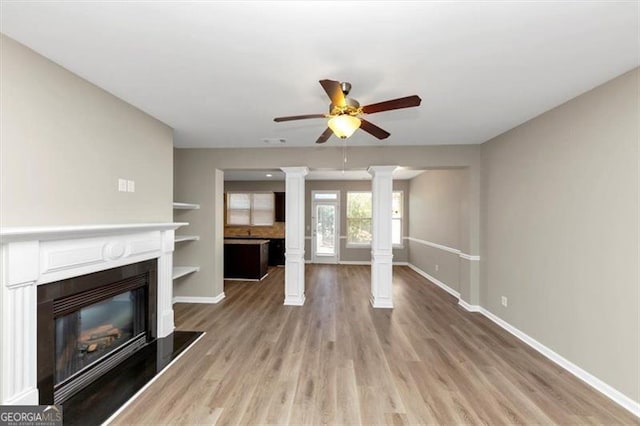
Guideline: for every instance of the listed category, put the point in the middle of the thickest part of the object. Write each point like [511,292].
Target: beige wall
[436,197]
[438,201]
[195,181]
[64,144]
[560,231]
[254,185]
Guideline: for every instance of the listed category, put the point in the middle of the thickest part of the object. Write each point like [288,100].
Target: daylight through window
[359,209]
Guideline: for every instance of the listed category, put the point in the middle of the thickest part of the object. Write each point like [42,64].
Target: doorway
[325,224]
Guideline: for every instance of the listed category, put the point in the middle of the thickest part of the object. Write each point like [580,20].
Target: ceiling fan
[344,112]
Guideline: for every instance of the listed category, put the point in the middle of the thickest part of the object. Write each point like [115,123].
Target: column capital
[381,170]
[295,171]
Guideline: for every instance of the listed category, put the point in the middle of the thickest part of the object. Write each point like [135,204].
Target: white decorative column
[294,236]
[381,243]
[20,270]
[165,284]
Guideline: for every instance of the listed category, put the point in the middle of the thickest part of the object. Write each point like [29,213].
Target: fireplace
[89,324]
[34,257]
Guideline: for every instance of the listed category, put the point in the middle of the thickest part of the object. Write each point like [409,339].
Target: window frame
[401,219]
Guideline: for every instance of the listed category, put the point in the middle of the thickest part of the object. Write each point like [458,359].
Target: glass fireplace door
[91,333]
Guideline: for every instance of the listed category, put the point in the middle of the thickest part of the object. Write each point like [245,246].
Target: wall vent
[274,141]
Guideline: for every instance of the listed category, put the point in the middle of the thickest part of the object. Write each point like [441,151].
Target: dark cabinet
[280,203]
[276,251]
[246,259]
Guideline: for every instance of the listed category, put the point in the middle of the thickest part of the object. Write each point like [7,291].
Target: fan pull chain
[344,155]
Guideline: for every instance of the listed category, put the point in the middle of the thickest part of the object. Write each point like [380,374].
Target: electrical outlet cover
[122,185]
[131,186]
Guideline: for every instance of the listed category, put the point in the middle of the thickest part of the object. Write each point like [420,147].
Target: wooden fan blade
[298,117]
[334,91]
[325,136]
[406,102]
[371,128]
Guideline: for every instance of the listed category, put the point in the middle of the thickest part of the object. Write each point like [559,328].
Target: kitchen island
[246,259]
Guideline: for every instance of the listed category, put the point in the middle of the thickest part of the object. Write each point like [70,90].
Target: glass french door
[326,227]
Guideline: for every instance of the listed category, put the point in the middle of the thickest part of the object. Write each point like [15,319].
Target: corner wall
[438,225]
[560,231]
[64,143]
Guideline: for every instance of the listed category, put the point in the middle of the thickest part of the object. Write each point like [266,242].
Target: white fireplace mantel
[33,256]
[46,233]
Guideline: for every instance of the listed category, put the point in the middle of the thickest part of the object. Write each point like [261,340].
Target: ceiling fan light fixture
[344,125]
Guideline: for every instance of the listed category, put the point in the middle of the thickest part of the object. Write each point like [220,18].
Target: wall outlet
[437,267]
[504,301]
[122,185]
[131,186]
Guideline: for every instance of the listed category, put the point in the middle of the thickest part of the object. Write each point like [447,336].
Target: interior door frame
[325,259]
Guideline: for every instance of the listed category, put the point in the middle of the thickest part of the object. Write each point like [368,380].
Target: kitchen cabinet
[280,215]
[276,251]
[246,259]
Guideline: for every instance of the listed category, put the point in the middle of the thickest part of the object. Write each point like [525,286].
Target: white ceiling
[277,175]
[218,72]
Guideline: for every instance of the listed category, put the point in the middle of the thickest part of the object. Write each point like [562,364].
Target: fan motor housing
[351,107]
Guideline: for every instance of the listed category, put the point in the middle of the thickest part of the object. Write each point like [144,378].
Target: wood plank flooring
[338,361]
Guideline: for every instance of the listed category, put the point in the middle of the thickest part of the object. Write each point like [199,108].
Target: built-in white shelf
[181,238]
[185,206]
[181,271]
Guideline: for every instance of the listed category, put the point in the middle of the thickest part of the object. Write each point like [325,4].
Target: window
[238,209]
[325,196]
[359,208]
[358,217]
[256,209]
[396,218]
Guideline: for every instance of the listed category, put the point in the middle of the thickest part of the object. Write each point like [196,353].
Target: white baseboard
[150,382]
[368,262]
[198,299]
[435,281]
[607,390]
[602,387]
[469,307]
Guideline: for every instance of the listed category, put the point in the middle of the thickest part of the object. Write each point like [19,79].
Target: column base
[28,397]
[380,302]
[166,325]
[294,301]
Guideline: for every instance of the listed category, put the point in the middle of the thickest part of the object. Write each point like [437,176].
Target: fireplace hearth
[87,325]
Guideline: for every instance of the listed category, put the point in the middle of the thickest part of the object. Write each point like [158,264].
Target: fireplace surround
[36,256]
[88,324]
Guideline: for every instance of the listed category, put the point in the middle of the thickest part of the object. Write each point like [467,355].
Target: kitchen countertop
[246,241]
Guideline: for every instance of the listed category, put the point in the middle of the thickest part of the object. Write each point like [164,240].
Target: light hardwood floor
[338,361]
